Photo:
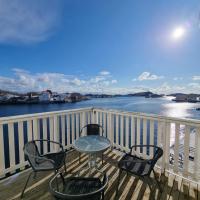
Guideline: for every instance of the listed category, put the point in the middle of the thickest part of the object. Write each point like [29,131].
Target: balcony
[179,168]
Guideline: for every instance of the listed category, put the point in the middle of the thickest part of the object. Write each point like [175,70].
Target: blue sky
[107,46]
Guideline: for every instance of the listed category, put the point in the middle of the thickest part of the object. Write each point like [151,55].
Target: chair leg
[65,168]
[79,157]
[22,194]
[35,174]
[103,195]
[148,182]
[63,180]
[118,181]
[157,182]
[55,172]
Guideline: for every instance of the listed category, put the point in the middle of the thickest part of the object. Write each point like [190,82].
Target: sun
[178,33]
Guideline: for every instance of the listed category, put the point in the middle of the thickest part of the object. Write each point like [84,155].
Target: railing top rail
[160,118]
[185,121]
[16,118]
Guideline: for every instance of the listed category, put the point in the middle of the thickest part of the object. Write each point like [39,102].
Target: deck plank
[184,191]
[193,191]
[198,194]
[176,188]
[130,188]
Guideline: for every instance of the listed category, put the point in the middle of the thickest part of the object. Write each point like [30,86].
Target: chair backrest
[92,129]
[157,154]
[32,153]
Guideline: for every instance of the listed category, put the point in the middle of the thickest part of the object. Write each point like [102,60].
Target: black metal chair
[92,129]
[78,188]
[140,167]
[43,162]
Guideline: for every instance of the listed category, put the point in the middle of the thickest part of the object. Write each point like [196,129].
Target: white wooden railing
[179,138]
[61,126]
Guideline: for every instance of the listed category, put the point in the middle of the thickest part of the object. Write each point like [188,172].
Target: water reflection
[180,110]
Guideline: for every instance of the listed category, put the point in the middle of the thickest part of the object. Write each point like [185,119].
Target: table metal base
[92,164]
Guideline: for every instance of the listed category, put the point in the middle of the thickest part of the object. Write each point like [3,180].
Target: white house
[45,96]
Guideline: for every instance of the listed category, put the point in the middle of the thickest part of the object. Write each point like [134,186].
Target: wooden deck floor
[174,187]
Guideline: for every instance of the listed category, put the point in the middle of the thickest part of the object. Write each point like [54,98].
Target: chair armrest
[82,129]
[41,159]
[136,161]
[51,141]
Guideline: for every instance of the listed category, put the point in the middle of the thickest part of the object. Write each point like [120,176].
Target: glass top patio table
[92,144]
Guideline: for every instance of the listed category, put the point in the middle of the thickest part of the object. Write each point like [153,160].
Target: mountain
[146,94]
[5,92]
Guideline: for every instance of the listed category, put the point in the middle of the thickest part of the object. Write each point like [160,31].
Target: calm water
[162,106]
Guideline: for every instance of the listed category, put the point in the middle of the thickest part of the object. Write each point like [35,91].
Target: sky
[106,46]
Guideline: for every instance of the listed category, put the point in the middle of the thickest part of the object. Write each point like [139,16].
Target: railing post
[93,116]
[2,162]
[127,133]
[176,147]
[77,125]
[83,122]
[166,145]
[73,127]
[68,130]
[44,129]
[11,144]
[110,133]
[186,150]
[35,129]
[104,123]
[132,138]
[160,139]
[51,131]
[29,130]
[56,131]
[21,142]
[197,155]
[63,129]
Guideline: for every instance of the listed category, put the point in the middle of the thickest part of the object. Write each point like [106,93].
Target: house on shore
[192,98]
[45,96]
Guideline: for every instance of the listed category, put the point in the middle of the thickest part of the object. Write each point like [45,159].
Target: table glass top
[91,144]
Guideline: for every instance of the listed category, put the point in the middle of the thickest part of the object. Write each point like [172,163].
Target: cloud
[147,76]
[178,78]
[114,81]
[25,81]
[97,79]
[166,88]
[26,21]
[195,86]
[196,78]
[104,73]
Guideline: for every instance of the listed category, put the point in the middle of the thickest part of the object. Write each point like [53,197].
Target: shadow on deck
[174,187]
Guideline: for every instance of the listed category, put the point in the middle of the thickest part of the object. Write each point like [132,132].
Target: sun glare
[178,33]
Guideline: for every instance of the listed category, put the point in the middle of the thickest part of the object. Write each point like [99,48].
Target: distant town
[47,96]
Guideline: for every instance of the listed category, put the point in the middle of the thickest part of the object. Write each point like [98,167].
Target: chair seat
[80,186]
[58,158]
[138,168]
